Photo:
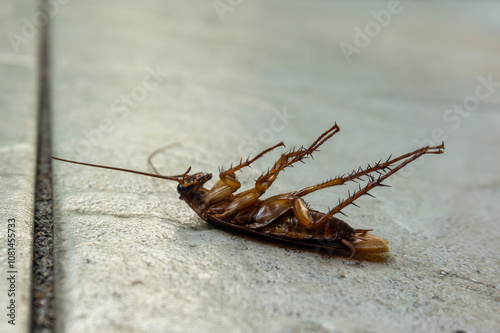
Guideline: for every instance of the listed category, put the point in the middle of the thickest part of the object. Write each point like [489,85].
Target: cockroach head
[189,182]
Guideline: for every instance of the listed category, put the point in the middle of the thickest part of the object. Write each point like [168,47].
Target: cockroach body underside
[286,217]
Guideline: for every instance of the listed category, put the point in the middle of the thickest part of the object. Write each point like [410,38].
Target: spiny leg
[247,198]
[301,210]
[372,184]
[302,153]
[291,157]
[379,167]
[378,182]
[279,204]
[227,184]
[249,161]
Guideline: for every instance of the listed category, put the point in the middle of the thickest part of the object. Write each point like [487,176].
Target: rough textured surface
[17,158]
[133,258]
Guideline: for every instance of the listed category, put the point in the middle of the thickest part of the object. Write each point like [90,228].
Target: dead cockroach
[285,217]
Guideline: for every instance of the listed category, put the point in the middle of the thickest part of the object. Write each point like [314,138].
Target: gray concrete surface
[18,77]
[130,78]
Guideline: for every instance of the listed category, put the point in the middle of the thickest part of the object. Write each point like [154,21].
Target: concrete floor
[129,78]
[18,106]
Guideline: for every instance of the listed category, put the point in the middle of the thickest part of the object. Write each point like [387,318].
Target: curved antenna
[176,178]
[153,154]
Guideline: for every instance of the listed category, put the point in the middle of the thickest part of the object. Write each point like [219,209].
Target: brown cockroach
[285,217]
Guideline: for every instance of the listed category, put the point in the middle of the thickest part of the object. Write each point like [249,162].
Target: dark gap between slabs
[42,311]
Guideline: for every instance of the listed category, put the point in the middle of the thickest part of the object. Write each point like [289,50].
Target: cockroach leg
[350,246]
[287,159]
[228,183]
[300,208]
[292,157]
[247,198]
[275,206]
[378,181]
[380,167]
[249,161]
